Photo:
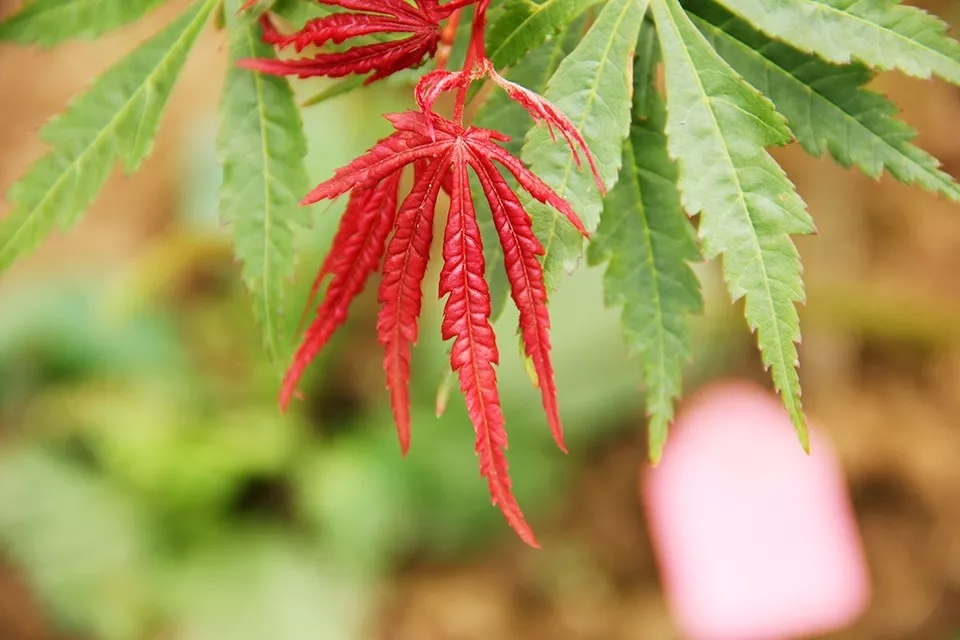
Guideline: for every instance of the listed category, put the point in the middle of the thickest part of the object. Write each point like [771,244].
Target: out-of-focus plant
[157,489]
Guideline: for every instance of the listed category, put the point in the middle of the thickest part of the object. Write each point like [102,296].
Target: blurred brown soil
[886,388]
[20,618]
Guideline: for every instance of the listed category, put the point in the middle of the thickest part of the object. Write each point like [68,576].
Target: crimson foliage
[380,231]
[422,22]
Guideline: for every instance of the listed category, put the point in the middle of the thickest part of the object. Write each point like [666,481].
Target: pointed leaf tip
[648,245]
[656,455]
[520,251]
[474,353]
[354,256]
[400,294]
[378,18]
[803,432]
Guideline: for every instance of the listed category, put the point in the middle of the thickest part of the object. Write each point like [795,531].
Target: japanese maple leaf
[441,152]
[366,17]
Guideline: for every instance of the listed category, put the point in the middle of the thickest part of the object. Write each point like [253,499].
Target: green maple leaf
[882,33]
[116,119]
[51,22]
[261,146]
[825,104]
[717,128]
[648,241]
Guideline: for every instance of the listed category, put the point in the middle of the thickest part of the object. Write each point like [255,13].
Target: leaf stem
[447,38]
[477,51]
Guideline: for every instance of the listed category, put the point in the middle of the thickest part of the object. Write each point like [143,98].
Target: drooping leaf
[649,243]
[882,33]
[553,119]
[117,118]
[355,254]
[533,72]
[401,293]
[521,250]
[717,128]
[51,22]
[505,115]
[826,105]
[474,354]
[523,26]
[261,147]
[593,87]
[377,60]
[441,152]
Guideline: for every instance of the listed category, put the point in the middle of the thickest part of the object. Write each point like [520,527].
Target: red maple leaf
[374,227]
[366,17]
[440,151]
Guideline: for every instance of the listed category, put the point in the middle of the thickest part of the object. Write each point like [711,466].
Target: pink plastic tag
[755,539]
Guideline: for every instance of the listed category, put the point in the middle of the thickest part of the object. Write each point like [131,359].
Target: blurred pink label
[755,539]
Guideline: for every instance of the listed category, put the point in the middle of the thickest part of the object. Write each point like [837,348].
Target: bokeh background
[149,488]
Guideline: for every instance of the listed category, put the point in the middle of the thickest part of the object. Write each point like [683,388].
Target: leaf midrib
[528,285]
[591,98]
[471,330]
[788,393]
[269,327]
[658,297]
[657,302]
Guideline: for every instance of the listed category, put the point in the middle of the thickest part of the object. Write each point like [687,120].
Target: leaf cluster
[684,169]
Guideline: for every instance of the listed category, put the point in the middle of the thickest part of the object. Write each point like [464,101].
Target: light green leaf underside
[593,86]
[825,104]
[882,33]
[261,147]
[503,114]
[523,26]
[717,128]
[649,242]
[116,119]
[51,22]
